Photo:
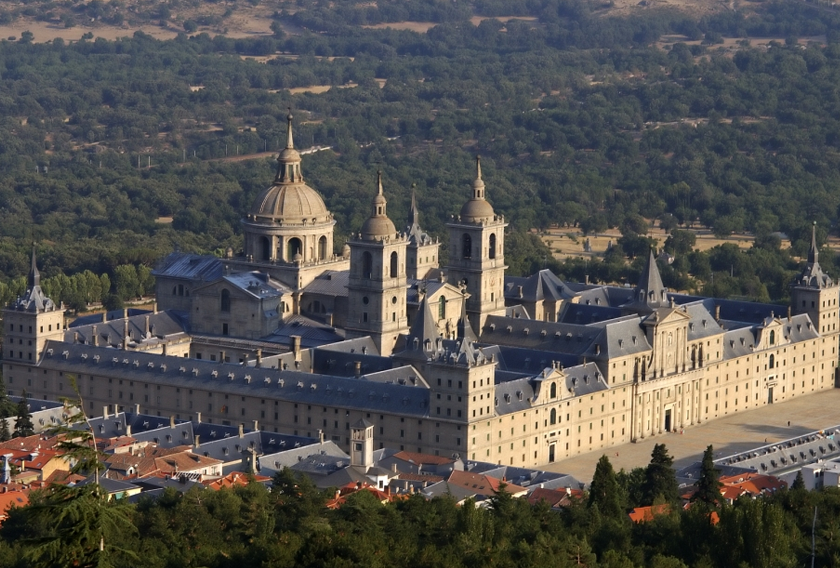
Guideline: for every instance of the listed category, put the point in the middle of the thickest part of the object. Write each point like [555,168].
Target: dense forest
[113,151]
[291,526]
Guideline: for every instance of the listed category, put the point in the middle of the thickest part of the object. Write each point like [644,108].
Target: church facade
[460,360]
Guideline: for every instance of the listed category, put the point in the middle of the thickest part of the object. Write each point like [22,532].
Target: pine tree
[708,487]
[5,435]
[798,482]
[660,477]
[23,420]
[605,492]
[7,407]
[84,524]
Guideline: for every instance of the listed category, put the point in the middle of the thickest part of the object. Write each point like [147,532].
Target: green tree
[23,420]
[660,477]
[708,486]
[5,435]
[605,492]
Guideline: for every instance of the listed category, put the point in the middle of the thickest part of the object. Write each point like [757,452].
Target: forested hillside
[581,118]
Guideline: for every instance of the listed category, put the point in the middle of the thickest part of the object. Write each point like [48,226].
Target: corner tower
[377,284]
[29,322]
[814,293]
[476,254]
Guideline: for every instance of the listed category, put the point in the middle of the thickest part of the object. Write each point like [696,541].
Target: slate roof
[162,325]
[276,461]
[330,283]
[312,333]
[585,314]
[189,266]
[293,386]
[543,285]
[255,284]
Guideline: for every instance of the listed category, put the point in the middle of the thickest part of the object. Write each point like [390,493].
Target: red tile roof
[645,514]
[482,484]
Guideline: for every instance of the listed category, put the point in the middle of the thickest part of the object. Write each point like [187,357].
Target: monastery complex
[448,360]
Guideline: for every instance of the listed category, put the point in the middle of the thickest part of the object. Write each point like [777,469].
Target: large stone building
[465,361]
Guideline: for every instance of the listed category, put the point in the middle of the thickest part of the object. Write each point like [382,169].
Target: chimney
[104,317]
[154,307]
[125,313]
[105,411]
[136,408]
[95,336]
[788,313]
[394,467]
[259,358]
[128,430]
[75,337]
[164,348]
[241,430]
[252,461]
[198,418]
[717,312]
[597,349]
[222,356]
[586,279]
[519,290]
[256,424]
[171,420]
[125,334]
[296,346]
[357,368]
[321,436]
[146,326]
[197,444]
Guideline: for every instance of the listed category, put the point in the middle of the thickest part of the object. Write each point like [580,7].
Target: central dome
[290,203]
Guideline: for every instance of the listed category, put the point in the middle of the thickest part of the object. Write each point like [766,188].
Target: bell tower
[815,293]
[476,254]
[30,321]
[377,283]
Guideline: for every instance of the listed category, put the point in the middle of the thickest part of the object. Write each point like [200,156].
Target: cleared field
[569,242]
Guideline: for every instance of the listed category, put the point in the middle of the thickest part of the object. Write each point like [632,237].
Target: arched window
[442,308]
[225,301]
[772,361]
[265,248]
[772,337]
[492,245]
[294,248]
[553,391]
[553,417]
[466,246]
[322,248]
[367,264]
[394,260]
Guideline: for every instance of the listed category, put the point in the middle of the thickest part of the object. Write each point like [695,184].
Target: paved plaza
[737,432]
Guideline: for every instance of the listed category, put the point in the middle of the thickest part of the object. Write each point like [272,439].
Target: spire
[415,214]
[478,184]
[288,161]
[465,330]
[813,252]
[477,208]
[290,144]
[378,225]
[34,276]
[649,293]
[812,275]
